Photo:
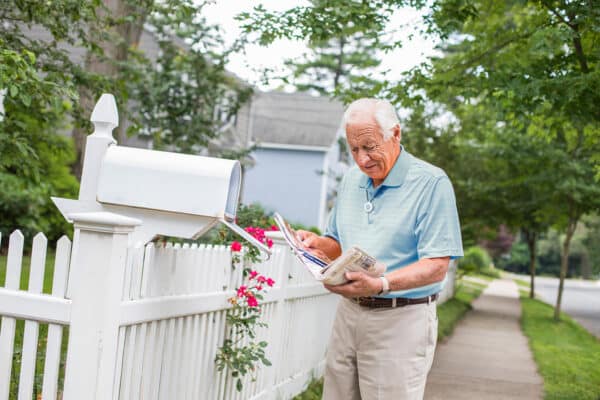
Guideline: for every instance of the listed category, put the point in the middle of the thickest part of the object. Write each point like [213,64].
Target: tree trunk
[531,238]
[339,70]
[564,264]
[115,48]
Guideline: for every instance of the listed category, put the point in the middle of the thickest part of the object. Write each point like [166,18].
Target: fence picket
[148,362]
[7,332]
[197,377]
[59,286]
[30,336]
[158,360]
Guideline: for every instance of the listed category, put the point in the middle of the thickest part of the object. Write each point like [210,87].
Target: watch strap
[385,288]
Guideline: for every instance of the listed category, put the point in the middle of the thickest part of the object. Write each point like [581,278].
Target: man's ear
[397,133]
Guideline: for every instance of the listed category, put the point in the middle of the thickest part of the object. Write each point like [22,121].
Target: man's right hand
[323,247]
[309,239]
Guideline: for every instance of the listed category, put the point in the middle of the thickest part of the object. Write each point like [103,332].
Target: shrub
[476,259]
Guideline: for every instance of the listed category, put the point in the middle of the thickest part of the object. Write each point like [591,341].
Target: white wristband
[385,288]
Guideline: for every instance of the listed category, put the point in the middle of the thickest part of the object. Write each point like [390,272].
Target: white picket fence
[146,322]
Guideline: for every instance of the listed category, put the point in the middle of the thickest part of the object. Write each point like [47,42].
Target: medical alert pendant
[368,207]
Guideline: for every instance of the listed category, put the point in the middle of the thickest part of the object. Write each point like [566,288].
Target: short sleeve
[438,227]
[331,229]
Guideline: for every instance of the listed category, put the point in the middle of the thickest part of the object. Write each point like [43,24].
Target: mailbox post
[128,196]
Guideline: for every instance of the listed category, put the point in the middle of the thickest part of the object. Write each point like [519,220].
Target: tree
[181,96]
[537,65]
[175,97]
[108,32]
[339,64]
[529,66]
[35,162]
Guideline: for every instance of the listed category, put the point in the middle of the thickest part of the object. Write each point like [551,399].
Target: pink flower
[261,279]
[241,291]
[269,243]
[252,302]
[259,287]
[236,246]
[253,274]
[274,228]
[270,282]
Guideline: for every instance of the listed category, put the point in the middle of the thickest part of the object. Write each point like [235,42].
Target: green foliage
[240,352]
[476,259]
[314,391]
[184,96]
[491,272]
[35,161]
[517,260]
[565,353]
[339,65]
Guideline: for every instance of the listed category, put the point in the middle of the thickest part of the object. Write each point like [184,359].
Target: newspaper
[331,273]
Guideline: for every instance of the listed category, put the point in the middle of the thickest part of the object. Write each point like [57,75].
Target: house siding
[287,181]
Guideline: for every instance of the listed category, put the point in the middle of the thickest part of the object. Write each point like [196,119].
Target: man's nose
[363,157]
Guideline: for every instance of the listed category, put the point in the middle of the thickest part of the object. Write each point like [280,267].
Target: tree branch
[557,14]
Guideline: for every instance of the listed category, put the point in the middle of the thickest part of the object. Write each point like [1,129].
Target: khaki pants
[380,354]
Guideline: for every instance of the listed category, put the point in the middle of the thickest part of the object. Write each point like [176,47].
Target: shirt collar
[396,175]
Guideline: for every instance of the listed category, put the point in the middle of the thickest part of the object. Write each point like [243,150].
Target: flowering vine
[240,352]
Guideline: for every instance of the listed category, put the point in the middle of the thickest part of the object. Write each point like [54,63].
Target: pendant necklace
[368,206]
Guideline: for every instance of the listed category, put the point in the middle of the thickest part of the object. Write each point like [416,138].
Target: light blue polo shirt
[414,216]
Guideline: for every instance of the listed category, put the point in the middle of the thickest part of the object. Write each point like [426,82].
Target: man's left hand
[360,285]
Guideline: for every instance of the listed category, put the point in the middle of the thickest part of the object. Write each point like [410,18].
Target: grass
[522,284]
[567,356]
[449,314]
[43,328]
[314,391]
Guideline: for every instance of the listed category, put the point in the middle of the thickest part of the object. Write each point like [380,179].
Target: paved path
[487,357]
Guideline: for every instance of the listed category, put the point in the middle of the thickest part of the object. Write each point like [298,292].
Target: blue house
[299,154]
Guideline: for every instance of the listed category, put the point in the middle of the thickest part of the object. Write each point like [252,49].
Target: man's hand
[323,247]
[360,285]
[309,239]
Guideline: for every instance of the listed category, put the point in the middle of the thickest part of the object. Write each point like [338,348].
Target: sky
[248,66]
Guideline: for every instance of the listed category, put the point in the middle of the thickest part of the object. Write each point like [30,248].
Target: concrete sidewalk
[487,356]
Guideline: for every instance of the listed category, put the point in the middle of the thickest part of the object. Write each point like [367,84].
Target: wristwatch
[385,288]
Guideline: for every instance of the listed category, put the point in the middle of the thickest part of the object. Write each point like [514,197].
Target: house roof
[296,119]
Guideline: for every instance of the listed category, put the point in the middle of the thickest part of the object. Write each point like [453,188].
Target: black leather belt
[380,302]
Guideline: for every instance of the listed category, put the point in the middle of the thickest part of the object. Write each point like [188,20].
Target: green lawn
[567,356]
[449,313]
[25,264]
[522,284]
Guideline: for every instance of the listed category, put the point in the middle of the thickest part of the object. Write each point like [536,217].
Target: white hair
[382,110]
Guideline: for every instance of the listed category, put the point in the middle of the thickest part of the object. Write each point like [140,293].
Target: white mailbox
[171,194]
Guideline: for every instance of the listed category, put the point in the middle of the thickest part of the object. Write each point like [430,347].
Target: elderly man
[402,211]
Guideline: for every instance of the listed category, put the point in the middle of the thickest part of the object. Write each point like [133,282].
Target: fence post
[97,272]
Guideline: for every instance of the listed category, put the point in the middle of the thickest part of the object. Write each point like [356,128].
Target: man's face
[374,156]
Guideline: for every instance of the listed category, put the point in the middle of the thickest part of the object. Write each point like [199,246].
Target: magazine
[331,273]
